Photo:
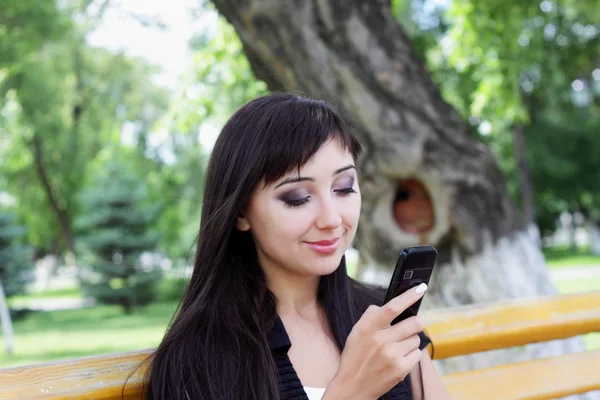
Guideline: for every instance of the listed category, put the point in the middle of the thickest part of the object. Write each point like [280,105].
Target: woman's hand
[377,356]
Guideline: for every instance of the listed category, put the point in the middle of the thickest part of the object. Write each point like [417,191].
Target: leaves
[505,64]
[74,100]
[25,25]
[115,229]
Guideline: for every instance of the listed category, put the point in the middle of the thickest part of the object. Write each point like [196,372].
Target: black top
[289,383]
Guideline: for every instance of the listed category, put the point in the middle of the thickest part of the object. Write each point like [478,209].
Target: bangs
[295,131]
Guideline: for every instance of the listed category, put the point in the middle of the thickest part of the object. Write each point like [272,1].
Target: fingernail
[421,288]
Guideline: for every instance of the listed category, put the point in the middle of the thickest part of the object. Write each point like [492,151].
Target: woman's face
[303,223]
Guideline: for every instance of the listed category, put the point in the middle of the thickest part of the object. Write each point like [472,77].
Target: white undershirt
[314,393]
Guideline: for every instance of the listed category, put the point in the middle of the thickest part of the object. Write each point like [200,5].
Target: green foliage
[503,52]
[25,28]
[115,231]
[221,78]
[507,64]
[82,105]
[16,266]
[172,289]
[25,25]
[219,81]
[73,101]
[565,165]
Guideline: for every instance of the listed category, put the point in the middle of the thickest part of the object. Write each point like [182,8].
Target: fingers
[398,304]
[403,347]
[405,329]
[405,359]
[409,344]
[412,359]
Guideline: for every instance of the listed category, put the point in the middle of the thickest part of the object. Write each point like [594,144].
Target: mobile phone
[414,266]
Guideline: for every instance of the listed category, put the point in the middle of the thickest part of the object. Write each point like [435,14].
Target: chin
[326,266]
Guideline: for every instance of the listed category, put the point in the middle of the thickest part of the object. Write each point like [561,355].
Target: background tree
[565,168]
[115,232]
[357,56]
[63,102]
[16,258]
[511,70]
[16,269]
[26,27]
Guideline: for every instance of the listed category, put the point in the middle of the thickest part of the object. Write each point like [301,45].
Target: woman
[270,312]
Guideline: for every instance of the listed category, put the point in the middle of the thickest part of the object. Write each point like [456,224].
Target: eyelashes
[297,202]
[295,198]
[345,190]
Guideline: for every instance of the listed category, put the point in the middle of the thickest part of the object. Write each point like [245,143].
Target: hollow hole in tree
[412,207]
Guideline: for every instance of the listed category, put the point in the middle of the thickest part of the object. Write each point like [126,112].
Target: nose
[329,216]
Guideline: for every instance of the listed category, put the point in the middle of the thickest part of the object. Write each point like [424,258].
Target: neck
[296,296]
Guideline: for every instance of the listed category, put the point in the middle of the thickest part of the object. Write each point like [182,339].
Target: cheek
[351,211]
[278,224]
[291,225]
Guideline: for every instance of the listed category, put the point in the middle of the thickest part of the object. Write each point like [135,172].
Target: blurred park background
[109,109]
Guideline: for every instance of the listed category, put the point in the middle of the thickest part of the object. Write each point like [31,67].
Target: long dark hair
[216,346]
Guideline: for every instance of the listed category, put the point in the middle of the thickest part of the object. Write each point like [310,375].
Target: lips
[325,242]
[324,246]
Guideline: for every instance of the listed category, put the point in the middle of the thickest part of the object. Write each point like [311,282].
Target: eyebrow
[305,178]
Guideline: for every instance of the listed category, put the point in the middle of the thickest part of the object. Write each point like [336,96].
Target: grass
[46,336]
[23,300]
[55,335]
[578,285]
[564,257]
[169,289]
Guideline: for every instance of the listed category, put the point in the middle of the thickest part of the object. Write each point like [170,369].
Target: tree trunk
[573,233]
[6,322]
[356,56]
[594,237]
[525,183]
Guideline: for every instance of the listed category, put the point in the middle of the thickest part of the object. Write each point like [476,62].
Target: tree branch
[62,216]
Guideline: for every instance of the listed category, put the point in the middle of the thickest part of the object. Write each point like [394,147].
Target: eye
[295,197]
[295,202]
[345,185]
[345,191]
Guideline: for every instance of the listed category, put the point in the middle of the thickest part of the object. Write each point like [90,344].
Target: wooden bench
[455,331]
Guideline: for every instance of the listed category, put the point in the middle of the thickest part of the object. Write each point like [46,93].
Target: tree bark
[525,182]
[356,56]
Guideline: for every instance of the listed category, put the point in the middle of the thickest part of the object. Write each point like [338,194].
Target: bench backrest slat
[99,377]
[541,379]
[467,330]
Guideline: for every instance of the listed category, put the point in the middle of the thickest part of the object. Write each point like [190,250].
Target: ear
[242,223]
